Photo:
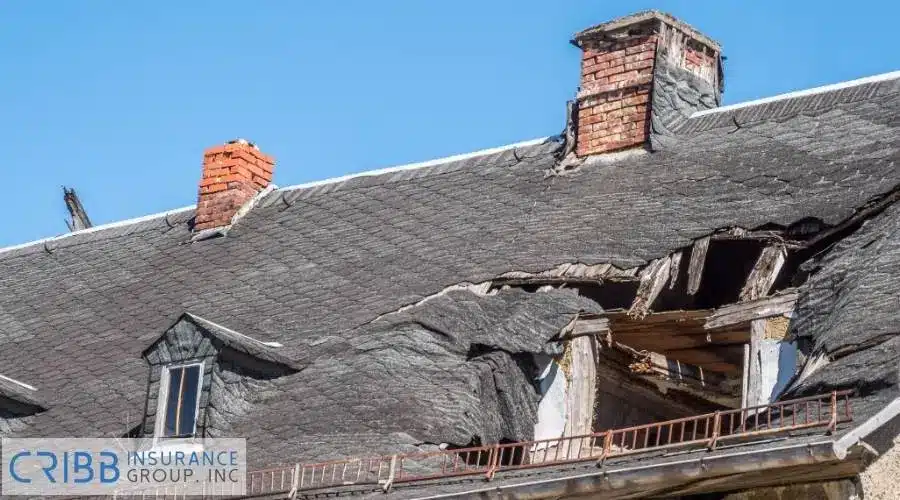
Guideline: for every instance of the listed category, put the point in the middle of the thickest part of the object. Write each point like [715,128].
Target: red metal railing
[702,431]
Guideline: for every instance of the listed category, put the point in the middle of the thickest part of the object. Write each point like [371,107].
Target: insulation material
[778,362]
[551,413]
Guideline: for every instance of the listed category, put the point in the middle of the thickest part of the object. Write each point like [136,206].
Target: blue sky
[118,99]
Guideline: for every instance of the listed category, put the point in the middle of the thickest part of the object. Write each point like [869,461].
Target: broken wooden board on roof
[744,312]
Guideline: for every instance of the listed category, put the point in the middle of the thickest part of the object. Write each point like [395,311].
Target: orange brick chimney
[232,175]
[621,68]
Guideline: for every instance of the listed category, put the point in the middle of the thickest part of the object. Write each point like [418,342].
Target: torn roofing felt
[849,310]
[309,265]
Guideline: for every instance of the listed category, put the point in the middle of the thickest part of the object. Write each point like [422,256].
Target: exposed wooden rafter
[695,268]
[764,273]
[653,279]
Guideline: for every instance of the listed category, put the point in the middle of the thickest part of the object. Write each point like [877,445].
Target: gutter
[856,436]
[642,480]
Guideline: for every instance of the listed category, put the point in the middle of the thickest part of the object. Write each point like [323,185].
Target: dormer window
[179,400]
[191,357]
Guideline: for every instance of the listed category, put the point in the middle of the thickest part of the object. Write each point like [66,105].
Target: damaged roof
[337,273]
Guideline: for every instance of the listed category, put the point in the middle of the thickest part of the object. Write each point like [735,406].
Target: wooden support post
[582,390]
[695,268]
[745,380]
[754,380]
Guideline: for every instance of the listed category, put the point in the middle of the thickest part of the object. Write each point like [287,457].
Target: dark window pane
[172,401]
[189,400]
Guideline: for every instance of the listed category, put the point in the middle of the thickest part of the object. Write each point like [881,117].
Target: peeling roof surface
[311,267]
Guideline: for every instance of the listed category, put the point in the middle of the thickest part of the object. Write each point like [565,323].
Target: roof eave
[647,479]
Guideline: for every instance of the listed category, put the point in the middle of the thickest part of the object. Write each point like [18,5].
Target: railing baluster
[495,458]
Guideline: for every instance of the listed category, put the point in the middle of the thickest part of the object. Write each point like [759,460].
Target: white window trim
[163,399]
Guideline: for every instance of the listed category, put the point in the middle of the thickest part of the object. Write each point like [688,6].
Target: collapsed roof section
[458,369]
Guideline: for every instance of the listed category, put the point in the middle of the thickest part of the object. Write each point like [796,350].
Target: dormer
[199,368]
[18,402]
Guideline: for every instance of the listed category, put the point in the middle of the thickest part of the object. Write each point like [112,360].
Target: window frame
[163,400]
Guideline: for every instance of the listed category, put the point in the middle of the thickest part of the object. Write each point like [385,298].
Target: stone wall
[844,489]
[880,480]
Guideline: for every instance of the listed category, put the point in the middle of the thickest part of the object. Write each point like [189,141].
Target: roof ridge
[799,93]
[101,227]
[417,165]
[296,187]
[18,383]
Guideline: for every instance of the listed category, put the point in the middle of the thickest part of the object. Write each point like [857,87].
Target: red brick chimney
[232,175]
[622,65]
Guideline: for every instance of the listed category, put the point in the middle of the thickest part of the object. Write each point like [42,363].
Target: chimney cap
[244,142]
[640,17]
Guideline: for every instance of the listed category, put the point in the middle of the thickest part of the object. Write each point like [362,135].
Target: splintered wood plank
[584,326]
[744,312]
[669,330]
[764,273]
[674,269]
[653,278]
[695,268]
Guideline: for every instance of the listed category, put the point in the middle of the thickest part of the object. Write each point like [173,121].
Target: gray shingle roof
[310,267]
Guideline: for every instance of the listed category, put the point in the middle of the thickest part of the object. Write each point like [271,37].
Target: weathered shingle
[308,267]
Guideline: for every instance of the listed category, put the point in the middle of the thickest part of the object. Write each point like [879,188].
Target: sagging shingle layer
[850,311]
[455,369]
[311,265]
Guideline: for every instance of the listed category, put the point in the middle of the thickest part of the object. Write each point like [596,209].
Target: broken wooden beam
[667,373]
[571,273]
[764,273]
[744,312]
[653,279]
[585,326]
[695,268]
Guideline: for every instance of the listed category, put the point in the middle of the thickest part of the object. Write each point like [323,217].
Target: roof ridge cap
[799,93]
[19,383]
[93,229]
[296,187]
[415,166]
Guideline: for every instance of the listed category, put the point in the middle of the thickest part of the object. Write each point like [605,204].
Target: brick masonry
[232,174]
[614,109]
[617,75]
